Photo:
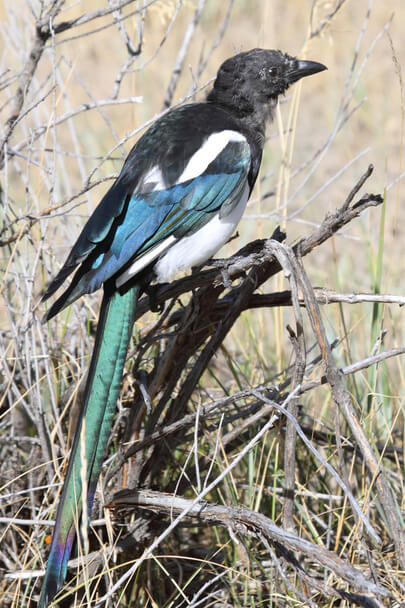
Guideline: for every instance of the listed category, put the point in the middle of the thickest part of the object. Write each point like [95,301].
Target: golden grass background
[64,157]
[377,125]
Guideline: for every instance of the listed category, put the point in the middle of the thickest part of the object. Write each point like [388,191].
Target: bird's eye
[265,73]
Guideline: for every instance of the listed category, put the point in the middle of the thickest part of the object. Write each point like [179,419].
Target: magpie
[179,197]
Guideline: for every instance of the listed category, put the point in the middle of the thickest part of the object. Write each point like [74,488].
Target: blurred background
[322,140]
[71,109]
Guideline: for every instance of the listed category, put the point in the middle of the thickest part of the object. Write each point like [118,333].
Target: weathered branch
[244,521]
[344,402]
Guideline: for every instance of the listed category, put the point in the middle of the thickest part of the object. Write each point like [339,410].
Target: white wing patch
[197,164]
[143,261]
[210,149]
[153,180]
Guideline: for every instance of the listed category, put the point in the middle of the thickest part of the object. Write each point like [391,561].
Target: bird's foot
[151,291]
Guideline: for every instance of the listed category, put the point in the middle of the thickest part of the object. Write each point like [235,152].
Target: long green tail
[114,332]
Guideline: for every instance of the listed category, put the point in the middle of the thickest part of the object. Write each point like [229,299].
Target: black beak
[305,68]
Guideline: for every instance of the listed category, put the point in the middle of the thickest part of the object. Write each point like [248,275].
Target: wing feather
[128,227]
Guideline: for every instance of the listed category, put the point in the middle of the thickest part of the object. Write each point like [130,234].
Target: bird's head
[253,80]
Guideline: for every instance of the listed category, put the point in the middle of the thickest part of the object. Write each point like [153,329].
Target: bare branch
[246,522]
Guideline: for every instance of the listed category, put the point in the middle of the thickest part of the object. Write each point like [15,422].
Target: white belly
[193,250]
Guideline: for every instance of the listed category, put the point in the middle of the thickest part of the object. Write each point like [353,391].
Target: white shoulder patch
[210,149]
[153,180]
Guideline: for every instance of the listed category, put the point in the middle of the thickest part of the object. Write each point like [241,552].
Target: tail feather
[114,331]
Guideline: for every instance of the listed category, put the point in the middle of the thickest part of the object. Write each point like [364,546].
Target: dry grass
[53,175]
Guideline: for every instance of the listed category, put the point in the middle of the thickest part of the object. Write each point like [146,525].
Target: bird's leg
[152,291]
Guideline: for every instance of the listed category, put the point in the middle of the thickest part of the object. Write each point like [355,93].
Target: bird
[179,196]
